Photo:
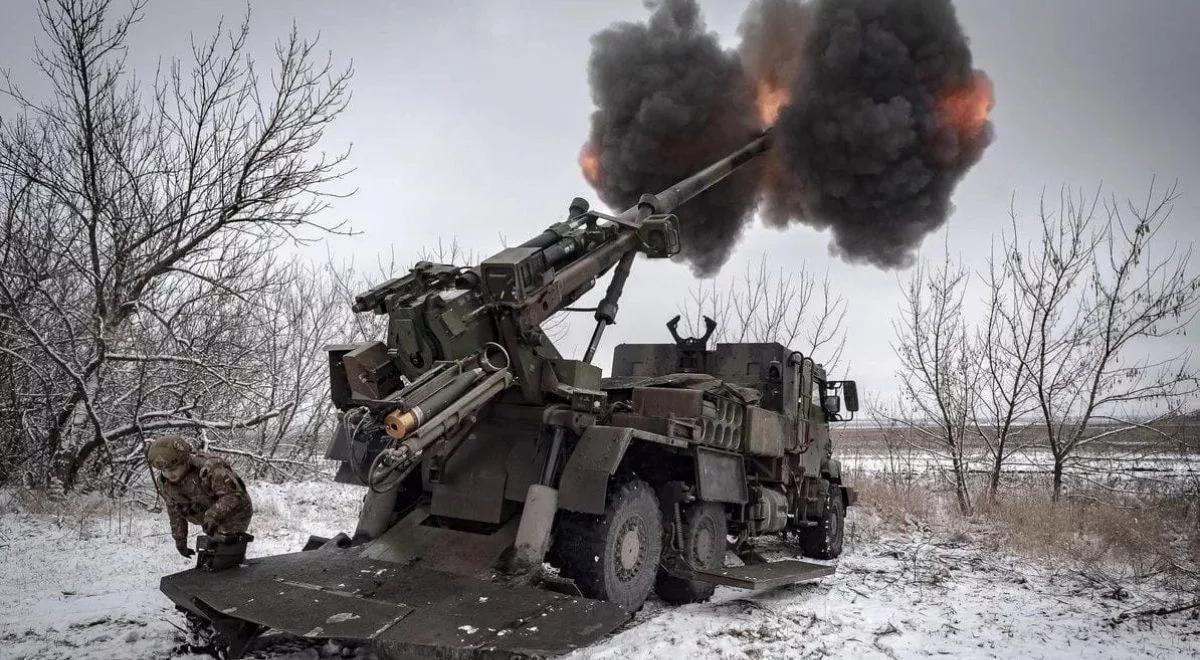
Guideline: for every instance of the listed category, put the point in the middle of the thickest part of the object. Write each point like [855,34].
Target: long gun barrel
[665,202]
[674,197]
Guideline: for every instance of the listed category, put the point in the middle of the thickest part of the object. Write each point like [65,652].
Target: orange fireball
[589,162]
[770,98]
[966,109]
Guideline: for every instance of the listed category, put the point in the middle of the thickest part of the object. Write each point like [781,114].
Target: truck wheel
[615,556]
[825,540]
[704,538]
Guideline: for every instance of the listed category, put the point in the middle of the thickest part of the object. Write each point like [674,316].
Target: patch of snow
[86,586]
[903,597]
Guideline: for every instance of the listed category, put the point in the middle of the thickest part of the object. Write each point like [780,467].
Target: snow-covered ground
[85,585]
[905,597]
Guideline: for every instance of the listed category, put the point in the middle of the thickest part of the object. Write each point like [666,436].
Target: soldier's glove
[210,524]
[183,549]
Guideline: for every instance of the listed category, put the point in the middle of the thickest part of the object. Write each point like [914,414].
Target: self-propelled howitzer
[443,320]
[487,455]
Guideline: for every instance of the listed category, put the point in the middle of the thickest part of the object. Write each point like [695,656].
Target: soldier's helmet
[168,452]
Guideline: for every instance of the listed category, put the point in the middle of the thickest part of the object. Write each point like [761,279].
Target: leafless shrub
[138,292]
[897,503]
[1113,544]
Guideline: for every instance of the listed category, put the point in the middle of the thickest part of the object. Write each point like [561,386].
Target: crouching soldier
[199,489]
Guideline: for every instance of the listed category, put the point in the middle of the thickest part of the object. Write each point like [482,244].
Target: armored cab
[755,419]
[760,399]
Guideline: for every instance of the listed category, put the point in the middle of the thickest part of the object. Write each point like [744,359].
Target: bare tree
[939,367]
[136,222]
[233,356]
[291,331]
[1006,346]
[1096,295]
[793,308]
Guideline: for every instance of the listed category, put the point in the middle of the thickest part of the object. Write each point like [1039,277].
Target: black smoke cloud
[865,147]
[866,150]
[669,101]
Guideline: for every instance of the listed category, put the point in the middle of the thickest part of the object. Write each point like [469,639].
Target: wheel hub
[628,550]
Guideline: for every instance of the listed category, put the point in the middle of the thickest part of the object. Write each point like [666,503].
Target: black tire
[825,540]
[704,538]
[615,556]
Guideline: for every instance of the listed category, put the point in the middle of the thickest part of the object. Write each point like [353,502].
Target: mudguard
[583,487]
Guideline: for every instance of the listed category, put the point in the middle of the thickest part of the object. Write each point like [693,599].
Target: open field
[1135,461]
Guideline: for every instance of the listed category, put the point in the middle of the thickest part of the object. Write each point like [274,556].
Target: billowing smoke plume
[670,100]
[876,107]
[885,120]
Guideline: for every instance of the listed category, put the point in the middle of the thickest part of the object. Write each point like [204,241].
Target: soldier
[199,489]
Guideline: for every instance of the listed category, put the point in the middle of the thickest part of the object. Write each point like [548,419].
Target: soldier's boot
[221,551]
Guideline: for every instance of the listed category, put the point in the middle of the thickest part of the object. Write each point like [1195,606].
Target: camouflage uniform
[208,493]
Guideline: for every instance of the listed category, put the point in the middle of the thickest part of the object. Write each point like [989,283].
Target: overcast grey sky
[467,119]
